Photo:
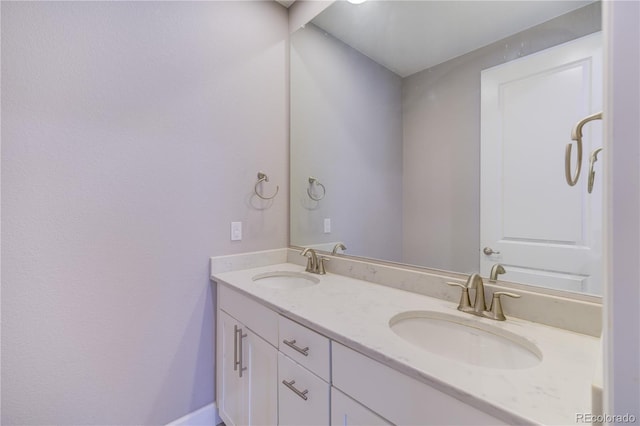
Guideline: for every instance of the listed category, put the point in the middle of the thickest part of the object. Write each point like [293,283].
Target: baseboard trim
[205,416]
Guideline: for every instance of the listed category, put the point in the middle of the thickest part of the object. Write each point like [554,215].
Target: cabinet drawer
[398,397]
[261,320]
[305,401]
[306,347]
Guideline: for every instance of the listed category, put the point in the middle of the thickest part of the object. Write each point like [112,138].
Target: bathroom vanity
[300,348]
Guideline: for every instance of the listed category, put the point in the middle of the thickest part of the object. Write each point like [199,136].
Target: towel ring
[576,135]
[592,173]
[312,181]
[264,178]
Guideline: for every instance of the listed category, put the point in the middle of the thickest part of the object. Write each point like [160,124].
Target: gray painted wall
[346,130]
[132,133]
[441,123]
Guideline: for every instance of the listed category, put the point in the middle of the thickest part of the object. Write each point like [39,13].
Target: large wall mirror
[433,133]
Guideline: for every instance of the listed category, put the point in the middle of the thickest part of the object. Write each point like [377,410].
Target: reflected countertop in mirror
[387,122]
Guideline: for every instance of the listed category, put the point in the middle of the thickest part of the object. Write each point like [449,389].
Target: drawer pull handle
[292,345]
[301,394]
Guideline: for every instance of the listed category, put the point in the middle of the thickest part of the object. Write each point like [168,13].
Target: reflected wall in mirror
[386,114]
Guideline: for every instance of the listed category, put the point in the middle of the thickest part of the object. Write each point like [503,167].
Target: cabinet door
[399,398]
[261,379]
[231,393]
[347,412]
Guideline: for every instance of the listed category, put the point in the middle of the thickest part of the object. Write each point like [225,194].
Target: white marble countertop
[356,313]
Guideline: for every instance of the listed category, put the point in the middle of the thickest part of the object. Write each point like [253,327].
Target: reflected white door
[546,232]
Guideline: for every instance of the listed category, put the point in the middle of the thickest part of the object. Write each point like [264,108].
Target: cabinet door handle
[237,350]
[235,347]
[292,345]
[301,394]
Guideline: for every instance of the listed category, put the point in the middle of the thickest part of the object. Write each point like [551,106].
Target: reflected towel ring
[592,173]
[312,181]
[576,135]
[264,178]
[567,163]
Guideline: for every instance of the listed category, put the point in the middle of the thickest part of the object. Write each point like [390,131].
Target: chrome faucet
[315,264]
[479,307]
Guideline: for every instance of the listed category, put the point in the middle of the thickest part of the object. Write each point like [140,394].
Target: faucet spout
[479,305]
[495,271]
[576,132]
[340,246]
[315,264]
[313,259]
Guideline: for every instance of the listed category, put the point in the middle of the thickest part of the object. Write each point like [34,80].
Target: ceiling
[286,3]
[409,36]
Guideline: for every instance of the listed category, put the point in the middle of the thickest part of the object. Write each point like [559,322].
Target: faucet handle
[465,303]
[496,312]
[321,268]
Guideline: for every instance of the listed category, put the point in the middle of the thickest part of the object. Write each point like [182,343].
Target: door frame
[621,313]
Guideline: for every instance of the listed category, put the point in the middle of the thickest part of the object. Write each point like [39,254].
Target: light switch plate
[236,231]
[327,226]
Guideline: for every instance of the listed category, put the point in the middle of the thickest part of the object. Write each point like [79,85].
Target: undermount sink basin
[285,279]
[465,340]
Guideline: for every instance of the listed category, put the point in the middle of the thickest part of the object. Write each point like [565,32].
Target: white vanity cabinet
[256,383]
[247,365]
[271,370]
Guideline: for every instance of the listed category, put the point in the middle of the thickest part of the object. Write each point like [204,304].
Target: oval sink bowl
[465,340]
[285,280]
